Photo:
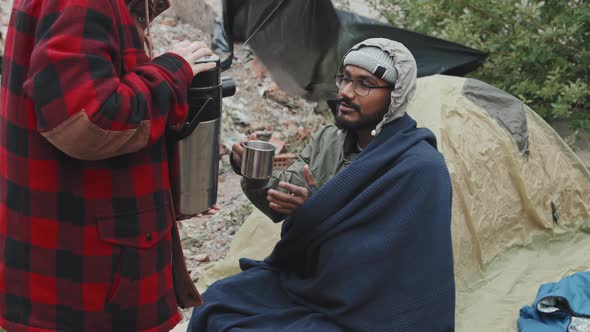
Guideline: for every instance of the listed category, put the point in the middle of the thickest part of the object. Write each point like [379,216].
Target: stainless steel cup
[257,160]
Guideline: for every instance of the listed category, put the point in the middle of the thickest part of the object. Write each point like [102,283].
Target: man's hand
[237,150]
[191,52]
[212,211]
[286,203]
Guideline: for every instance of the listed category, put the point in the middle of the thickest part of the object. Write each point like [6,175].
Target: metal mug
[257,160]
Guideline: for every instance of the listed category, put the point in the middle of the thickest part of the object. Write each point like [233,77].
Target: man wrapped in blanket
[370,250]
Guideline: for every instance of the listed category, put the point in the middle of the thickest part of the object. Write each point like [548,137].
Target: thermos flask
[199,140]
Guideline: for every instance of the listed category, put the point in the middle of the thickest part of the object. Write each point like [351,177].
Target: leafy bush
[539,50]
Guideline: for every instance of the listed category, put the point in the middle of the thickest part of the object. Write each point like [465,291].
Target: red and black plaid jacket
[85,204]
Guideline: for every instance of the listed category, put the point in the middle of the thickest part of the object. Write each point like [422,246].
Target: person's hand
[212,211]
[286,203]
[237,150]
[192,52]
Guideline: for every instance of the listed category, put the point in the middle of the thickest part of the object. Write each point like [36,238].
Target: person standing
[85,203]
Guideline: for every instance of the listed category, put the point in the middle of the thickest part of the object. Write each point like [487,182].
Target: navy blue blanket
[369,251]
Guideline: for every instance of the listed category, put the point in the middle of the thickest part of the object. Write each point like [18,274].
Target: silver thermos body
[199,140]
[199,168]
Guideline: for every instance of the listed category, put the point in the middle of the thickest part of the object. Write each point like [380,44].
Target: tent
[521,202]
[302,42]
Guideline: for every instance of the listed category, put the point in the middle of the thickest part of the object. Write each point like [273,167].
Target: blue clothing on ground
[559,306]
[369,251]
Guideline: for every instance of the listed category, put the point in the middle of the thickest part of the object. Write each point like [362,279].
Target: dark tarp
[301,42]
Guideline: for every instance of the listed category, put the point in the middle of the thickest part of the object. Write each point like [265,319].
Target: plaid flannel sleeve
[92,99]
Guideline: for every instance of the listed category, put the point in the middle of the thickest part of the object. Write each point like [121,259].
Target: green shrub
[539,50]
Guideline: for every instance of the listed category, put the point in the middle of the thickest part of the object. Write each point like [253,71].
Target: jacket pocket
[138,229]
[142,273]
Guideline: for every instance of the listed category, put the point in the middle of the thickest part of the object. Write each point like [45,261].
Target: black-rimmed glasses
[360,88]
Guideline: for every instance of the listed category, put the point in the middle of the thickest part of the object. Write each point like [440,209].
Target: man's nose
[347,90]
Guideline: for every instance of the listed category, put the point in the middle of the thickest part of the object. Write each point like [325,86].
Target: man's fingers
[183,44]
[253,137]
[284,198]
[199,53]
[297,190]
[309,180]
[238,148]
[191,52]
[236,154]
[237,160]
[289,205]
[287,198]
[196,45]
[279,209]
[201,67]
[211,212]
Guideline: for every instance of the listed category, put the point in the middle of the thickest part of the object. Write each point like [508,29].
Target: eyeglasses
[360,87]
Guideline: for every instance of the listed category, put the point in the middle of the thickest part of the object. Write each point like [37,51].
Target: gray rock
[197,13]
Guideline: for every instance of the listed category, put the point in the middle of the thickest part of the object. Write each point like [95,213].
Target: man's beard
[364,120]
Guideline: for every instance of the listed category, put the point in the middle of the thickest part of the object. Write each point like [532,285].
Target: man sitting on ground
[370,250]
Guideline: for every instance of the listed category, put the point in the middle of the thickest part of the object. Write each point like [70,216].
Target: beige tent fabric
[517,222]
[505,241]
[500,199]
[255,239]
[491,300]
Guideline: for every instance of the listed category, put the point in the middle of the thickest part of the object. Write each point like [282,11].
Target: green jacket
[329,150]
